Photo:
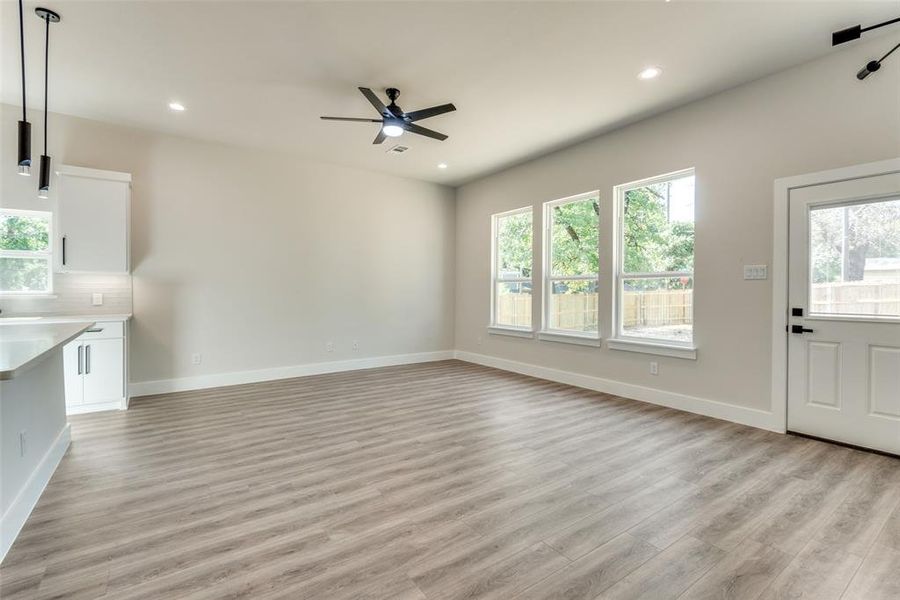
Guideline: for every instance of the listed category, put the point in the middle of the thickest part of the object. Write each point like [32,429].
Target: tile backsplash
[73,295]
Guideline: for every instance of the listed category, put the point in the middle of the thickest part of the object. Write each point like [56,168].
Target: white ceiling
[526,77]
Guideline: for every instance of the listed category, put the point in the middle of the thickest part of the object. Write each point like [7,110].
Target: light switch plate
[756,271]
[97,299]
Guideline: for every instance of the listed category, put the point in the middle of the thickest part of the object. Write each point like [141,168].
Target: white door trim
[783,189]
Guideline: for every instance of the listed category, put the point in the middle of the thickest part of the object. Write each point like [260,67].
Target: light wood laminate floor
[449,480]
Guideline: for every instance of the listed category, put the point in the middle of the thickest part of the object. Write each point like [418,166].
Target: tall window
[655,271]
[25,266]
[512,261]
[571,265]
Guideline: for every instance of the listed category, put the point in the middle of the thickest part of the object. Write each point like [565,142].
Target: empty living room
[450,300]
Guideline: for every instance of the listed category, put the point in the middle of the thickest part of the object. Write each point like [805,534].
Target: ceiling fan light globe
[392,130]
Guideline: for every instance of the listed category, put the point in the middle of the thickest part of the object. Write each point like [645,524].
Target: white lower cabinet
[95,370]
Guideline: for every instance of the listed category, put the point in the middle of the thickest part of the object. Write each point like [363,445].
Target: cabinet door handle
[64,250]
[87,359]
[94,330]
[80,359]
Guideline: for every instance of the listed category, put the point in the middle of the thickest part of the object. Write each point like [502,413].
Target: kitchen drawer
[103,330]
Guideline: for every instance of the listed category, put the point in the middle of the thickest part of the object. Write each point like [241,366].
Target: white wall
[255,260]
[813,117]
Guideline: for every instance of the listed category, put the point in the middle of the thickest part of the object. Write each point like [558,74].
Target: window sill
[26,295]
[570,338]
[659,348]
[510,331]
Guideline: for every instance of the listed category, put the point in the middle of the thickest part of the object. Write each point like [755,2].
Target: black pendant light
[24,125]
[854,33]
[874,65]
[49,17]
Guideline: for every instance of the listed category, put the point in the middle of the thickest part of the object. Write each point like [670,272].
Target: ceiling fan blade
[418,115]
[413,128]
[351,119]
[376,102]
[380,137]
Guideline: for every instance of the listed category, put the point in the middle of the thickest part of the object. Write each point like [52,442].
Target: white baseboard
[18,512]
[701,406]
[89,408]
[182,384]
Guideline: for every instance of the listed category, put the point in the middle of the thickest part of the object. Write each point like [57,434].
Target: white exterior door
[844,323]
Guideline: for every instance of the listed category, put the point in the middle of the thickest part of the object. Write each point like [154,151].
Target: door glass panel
[855,259]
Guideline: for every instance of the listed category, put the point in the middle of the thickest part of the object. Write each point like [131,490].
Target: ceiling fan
[394,121]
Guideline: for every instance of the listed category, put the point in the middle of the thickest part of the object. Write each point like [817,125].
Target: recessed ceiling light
[176,106]
[650,73]
[442,165]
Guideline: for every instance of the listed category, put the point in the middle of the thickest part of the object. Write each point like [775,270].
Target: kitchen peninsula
[34,434]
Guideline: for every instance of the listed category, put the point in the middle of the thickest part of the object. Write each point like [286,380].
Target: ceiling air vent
[398,149]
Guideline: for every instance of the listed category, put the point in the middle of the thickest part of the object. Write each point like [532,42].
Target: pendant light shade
[44,181]
[24,158]
[48,16]
[24,148]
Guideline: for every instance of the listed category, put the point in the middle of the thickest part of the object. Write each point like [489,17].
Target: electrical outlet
[654,368]
[23,443]
[756,271]
[478,340]
[355,346]
[97,299]
[329,346]
[196,359]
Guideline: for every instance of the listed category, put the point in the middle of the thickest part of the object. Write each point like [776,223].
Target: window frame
[493,326]
[631,343]
[565,335]
[47,255]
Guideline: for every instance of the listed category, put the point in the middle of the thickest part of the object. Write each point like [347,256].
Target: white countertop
[24,344]
[47,319]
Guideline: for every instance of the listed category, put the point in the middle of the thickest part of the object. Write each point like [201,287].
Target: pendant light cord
[46,77]
[22,48]
[891,51]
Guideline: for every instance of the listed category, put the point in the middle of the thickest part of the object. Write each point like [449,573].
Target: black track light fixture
[48,16]
[24,126]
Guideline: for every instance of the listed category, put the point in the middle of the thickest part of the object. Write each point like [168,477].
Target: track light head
[870,68]
[846,35]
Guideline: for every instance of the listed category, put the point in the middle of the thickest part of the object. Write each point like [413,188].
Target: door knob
[800,329]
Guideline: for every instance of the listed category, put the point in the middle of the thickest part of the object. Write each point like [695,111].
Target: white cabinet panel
[73,365]
[93,222]
[103,371]
[95,369]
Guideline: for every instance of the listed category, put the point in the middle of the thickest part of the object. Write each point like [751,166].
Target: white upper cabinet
[93,220]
